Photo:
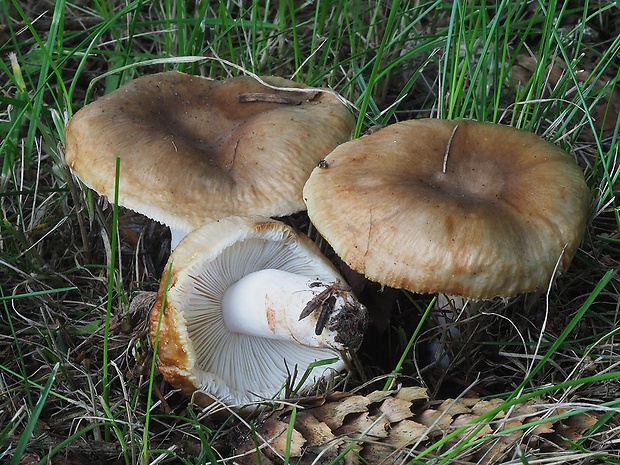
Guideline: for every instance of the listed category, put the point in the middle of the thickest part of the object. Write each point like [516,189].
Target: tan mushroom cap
[509,207]
[194,149]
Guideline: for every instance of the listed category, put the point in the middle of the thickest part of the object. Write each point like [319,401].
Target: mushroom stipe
[234,292]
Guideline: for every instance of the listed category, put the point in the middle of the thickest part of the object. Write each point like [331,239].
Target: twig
[445,157]
[265,97]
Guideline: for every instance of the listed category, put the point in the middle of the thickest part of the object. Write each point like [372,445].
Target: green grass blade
[26,435]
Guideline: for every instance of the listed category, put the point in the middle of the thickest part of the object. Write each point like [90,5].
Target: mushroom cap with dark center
[490,212]
[194,149]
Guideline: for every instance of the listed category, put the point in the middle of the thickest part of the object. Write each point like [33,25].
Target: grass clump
[76,376]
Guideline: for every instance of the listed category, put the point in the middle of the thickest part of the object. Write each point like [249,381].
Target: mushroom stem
[269,303]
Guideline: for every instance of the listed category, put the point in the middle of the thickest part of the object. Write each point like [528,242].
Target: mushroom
[193,149]
[458,207]
[246,302]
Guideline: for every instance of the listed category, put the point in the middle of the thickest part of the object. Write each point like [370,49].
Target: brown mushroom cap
[193,149]
[509,207]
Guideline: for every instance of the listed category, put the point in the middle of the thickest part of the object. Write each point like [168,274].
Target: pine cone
[389,427]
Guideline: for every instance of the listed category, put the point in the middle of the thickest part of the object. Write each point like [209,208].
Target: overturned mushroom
[460,207]
[193,150]
[245,302]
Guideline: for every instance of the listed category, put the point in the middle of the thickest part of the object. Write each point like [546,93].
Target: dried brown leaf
[378,396]
[365,426]
[469,418]
[412,393]
[541,428]
[322,446]
[315,432]
[484,406]
[574,427]
[512,437]
[396,409]
[493,452]
[524,409]
[380,454]
[276,432]
[406,432]
[334,413]
[453,407]
[434,419]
